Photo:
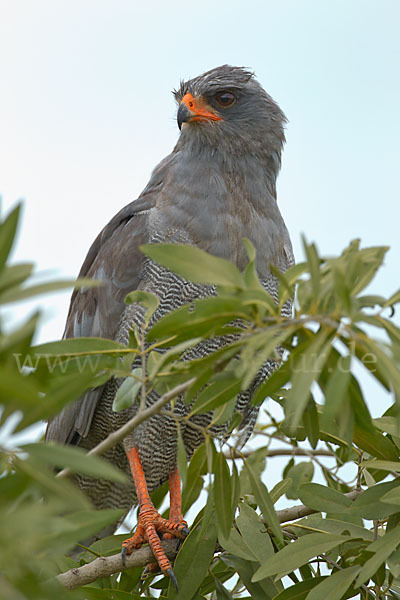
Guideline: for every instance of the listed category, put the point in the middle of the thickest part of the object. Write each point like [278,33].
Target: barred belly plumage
[156,438]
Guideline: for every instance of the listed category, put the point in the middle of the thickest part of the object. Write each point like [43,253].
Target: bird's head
[227,108]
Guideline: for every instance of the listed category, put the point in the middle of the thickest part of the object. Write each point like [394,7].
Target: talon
[151,527]
[123,555]
[171,574]
[142,580]
[151,569]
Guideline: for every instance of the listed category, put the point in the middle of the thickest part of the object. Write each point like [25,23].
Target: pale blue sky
[86,113]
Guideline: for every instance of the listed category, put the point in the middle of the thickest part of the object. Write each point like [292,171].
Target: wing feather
[115,259]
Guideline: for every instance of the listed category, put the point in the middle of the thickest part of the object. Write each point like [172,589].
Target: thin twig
[308,453]
[117,436]
[280,452]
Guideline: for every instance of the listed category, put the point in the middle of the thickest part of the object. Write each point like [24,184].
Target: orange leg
[175,514]
[150,522]
[175,506]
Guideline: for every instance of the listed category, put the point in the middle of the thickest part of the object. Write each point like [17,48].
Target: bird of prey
[216,187]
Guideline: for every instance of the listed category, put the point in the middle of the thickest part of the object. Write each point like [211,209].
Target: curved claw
[123,555]
[174,580]
[142,580]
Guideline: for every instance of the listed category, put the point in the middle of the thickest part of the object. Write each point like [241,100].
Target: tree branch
[117,436]
[104,566]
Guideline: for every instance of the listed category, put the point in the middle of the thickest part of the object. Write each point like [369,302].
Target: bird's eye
[225,98]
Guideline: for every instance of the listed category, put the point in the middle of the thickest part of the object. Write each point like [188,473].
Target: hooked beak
[184,115]
[195,109]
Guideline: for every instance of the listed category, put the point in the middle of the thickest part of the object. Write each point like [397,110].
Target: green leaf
[335,586]
[322,498]
[159,495]
[264,502]
[105,547]
[250,275]
[306,369]
[127,392]
[15,275]
[299,474]
[313,263]
[217,570]
[370,260]
[77,346]
[316,522]
[394,299]
[301,590]
[262,347]
[222,494]
[341,289]
[194,479]
[224,413]
[280,489]
[194,557]
[235,489]
[369,504]
[8,229]
[382,465]
[157,361]
[215,394]
[194,264]
[311,422]
[273,384]
[254,533]
[236,544]
[222,592]
[182,458]
[370,300]
[79,525]
[148,300]
[336,391]
[382,549]
[201,318]
[299,553]
[392,496]
[16,294]
[256,461]
[388,424]
[265,590]
[362,417]
[41,478]
[375,443]
[76,459]
[20,392]
[68,389]
[385,362]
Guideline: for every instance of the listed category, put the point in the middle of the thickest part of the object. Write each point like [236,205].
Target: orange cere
[200,109]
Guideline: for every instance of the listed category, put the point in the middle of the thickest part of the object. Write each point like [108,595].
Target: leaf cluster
[240,545]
